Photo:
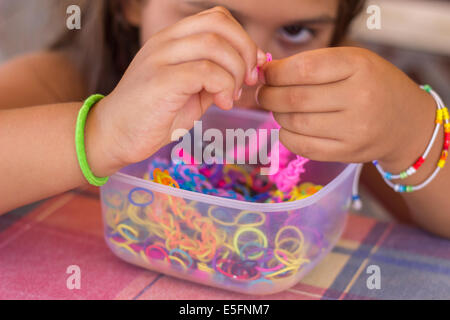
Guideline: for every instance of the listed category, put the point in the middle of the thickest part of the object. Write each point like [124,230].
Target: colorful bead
[418,163]
[445,114]
[439,116]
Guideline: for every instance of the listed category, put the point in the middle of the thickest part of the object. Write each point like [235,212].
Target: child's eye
[296,34]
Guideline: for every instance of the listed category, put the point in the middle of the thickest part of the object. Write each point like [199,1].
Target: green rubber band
[79,141]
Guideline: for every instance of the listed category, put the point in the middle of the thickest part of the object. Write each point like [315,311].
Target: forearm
[429,207]
[38,153]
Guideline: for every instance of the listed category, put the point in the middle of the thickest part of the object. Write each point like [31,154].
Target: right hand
[179,72]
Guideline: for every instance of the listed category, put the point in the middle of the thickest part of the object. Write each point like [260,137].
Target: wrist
[99,143]
[414,136]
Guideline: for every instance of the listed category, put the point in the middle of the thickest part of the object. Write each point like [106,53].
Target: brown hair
[107,35]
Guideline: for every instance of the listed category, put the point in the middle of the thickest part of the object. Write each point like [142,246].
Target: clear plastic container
[252,248]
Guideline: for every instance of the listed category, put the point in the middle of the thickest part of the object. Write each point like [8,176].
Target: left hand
[347,105]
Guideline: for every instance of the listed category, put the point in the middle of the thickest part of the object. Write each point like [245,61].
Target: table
[40,241]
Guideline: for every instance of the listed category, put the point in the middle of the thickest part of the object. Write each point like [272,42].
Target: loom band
[119,240]
[184,254]
[243,230]
[205,243]
[248,179]
[257,256]
[171,244]
[188,244]
[261,197]
[288,257]
[289,261]
[108,201]
[245,192]
[267,256]
[202,254]
[137,189]
[218,267]
[272,269]
[292,228]
[217,255]
[189,220]
[262,188]
[296,243]
[238,273]
[137,247]
[176,210]
[217,220]
[158,249]
[187,208]
[133,214]
[281,272]
[176,259]
[176,173]
[249,213]
[204,267]
[144,257]
[247,256]
[229,247]
[203,223]
[128,232]
[127,248]
[229,264]
[112,218]
[173,235]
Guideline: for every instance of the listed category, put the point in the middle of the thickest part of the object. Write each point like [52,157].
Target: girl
[162,63]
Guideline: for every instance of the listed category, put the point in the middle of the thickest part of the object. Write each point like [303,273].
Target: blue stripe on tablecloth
[356,259]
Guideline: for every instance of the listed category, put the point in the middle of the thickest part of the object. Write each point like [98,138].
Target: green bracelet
[79,141]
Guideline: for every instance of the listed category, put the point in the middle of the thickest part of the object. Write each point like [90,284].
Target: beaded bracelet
[413,169]
[79,141]
[442,115]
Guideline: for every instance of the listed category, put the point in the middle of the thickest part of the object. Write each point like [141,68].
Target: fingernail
[254,75]
[257,93]
[239,94]
[261,57]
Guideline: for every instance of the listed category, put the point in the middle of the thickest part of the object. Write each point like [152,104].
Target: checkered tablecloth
[39,242]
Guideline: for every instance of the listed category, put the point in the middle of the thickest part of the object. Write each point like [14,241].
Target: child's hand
[348,105]
[174,78]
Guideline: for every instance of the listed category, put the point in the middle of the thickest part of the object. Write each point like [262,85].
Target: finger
[329,125]
[311,67]
[218,21]
[307,98]
[314,148]
[204,46]
[197,76]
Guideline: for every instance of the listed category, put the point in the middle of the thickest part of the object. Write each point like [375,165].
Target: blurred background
[414,35]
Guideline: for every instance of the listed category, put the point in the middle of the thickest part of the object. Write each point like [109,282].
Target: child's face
[281,27]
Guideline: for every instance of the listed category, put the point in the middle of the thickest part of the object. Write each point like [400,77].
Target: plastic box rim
[232,203]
